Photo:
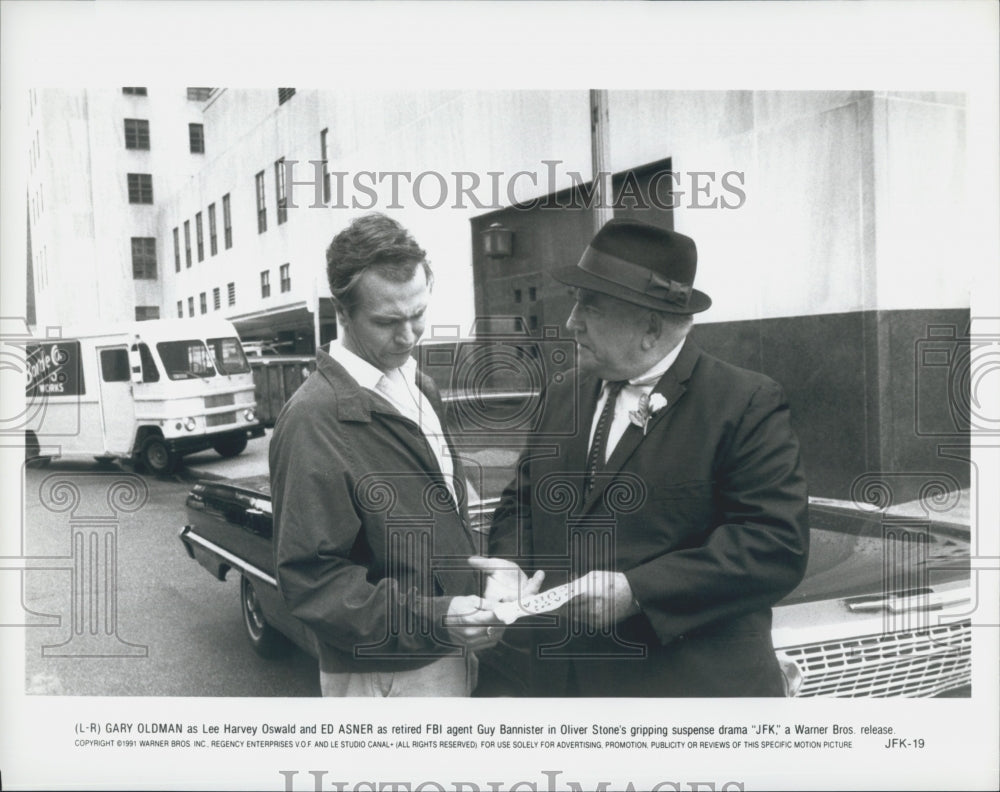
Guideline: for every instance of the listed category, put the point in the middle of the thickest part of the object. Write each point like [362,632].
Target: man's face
[608,335]
[388,319]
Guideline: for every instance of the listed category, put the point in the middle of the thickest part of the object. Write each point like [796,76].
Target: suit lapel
[671,386]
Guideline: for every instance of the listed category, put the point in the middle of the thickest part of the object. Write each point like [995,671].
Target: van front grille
[220,400]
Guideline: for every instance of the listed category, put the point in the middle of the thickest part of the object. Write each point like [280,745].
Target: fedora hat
[640,264]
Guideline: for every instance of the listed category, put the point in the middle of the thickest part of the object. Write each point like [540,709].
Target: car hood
[852,552]
[856,553]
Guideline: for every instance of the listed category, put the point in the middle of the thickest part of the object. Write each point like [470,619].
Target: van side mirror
[135,364]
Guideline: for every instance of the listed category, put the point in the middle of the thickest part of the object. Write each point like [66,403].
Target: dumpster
[276,378]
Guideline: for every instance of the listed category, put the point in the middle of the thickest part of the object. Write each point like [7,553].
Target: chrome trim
[931,600]
[238,563]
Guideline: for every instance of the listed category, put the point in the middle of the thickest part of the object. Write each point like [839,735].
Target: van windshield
[188,359]
[229,355]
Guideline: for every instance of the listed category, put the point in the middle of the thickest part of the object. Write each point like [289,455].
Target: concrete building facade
[825,222]
[101,162]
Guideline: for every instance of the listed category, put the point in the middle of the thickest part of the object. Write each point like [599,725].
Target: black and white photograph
[619,414]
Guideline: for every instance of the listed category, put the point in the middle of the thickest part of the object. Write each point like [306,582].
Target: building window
[196,138]
[137,133]
[532,322]
[216,299]
[323,156]
[213,240]
[279,190]
[286,277]
[140,188]
[134,91]
[190,306]
[187,242]
[199,237]
[227,222]
[149,370]
[180,309]
[517,295]
[532,294]
[284,94]
[265,283]
[144,258]
[203,302]
[198,94]
[144,313]
[177,250]
[231,293]
[261,208]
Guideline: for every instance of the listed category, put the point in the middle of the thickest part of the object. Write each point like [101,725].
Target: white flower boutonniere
[648,407]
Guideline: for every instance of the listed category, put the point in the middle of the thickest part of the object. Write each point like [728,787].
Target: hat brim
[575,276]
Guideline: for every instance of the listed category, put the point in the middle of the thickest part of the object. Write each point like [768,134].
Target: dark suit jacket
[705,515]
[369,546]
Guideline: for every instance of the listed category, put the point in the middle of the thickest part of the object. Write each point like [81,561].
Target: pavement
[209,465]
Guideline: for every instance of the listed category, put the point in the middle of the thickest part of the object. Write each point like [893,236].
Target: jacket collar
[357,404]
[354,403]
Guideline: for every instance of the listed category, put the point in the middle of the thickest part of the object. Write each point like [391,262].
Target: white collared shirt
[628,399]
[399,388]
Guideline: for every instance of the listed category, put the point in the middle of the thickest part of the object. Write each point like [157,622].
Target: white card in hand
[509,612]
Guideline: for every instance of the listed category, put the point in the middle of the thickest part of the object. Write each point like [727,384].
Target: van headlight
[190,424]
[249,414]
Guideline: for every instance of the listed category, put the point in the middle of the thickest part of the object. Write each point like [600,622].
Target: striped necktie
[599,446]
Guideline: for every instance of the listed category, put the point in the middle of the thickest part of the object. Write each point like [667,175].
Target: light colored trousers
[446,676]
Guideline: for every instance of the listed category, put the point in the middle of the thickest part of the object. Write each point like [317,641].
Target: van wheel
[231,444]
[157,456]
[264,639]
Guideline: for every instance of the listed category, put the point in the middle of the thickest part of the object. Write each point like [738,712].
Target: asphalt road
[166,627]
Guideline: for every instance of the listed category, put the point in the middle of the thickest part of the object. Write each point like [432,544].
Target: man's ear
[653,332]
[342,314]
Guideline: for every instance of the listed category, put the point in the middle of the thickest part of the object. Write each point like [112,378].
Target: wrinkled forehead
[394,294]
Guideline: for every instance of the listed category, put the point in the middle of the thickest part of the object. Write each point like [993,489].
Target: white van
[147,391]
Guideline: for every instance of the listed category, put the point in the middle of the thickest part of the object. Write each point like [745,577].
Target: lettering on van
[54,370]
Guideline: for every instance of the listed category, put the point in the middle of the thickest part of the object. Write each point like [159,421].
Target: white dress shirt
[399,388]
[628,399]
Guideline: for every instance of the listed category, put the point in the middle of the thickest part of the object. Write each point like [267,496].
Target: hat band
[632,276]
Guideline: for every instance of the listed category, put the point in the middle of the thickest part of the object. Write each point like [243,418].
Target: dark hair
[373,241]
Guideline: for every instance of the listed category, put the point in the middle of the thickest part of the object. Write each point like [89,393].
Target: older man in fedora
[672,517]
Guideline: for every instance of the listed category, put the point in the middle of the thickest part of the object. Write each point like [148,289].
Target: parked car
[883,609]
